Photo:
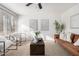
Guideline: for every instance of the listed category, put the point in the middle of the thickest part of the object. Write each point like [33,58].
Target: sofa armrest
[74,50]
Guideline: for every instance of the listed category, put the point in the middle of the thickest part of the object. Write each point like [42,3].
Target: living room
[27,21]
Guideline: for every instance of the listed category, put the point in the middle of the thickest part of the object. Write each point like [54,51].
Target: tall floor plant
[59,27]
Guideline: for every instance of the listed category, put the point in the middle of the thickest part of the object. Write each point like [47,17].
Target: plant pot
[56,36]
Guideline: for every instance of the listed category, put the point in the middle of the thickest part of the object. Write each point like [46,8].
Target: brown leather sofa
[73,50]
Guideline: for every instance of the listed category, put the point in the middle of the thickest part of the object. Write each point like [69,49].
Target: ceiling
[54,8]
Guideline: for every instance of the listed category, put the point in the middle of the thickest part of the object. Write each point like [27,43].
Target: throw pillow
[76,43]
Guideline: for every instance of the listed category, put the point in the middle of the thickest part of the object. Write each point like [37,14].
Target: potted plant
[59,28]
[37,33]
[37,36]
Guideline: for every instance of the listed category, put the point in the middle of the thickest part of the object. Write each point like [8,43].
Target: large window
[39,24]
[1,23]
[44,24]
[7,23]
[34,24]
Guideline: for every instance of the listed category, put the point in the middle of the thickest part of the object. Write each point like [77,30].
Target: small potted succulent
[37,35]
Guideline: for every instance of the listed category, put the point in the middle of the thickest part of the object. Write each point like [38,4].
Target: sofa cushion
[76,38]
[76,43]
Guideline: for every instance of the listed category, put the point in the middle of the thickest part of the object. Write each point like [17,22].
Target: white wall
[47,14]
[24,19]
[66,18]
